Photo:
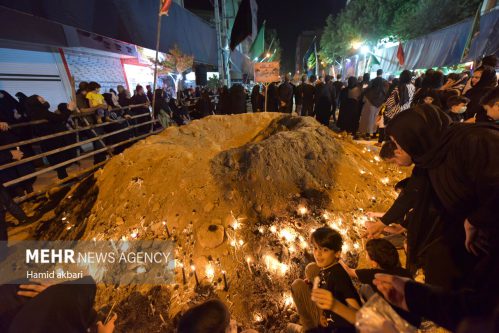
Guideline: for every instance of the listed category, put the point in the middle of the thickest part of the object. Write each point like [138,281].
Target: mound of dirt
[239,194]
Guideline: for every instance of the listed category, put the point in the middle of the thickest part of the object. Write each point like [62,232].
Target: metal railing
[78,143]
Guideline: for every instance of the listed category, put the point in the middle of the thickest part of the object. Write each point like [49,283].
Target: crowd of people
[444,126]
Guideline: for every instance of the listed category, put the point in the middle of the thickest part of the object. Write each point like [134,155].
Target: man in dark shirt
[332,95]
[338,85]
[308,98]
[299,95]
[285,94]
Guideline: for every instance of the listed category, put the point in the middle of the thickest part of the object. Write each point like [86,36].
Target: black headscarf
[461,160]
[419,130]
[488,78]
[404,80]
[376,93]
[8,106]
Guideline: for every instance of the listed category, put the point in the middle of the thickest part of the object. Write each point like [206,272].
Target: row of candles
[292,241]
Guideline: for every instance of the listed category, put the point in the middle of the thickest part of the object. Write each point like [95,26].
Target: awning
[132,21]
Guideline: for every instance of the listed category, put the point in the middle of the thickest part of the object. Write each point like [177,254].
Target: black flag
[243,24]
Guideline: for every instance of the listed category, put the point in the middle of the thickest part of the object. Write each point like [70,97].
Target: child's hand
[323,298]
[108,327]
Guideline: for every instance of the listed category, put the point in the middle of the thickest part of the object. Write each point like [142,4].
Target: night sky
[289,18]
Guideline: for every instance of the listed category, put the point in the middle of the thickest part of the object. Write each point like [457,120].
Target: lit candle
[226,286]
[193,268]
[134,234]
[302,210]
[210,272]
[236,225]
[248,261]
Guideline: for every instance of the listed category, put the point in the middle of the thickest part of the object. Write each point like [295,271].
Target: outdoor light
[356,44]
[364,49]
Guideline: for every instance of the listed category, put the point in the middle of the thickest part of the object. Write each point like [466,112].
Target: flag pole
[158,34]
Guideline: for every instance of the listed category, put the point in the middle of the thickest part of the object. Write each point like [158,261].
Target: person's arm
[350,271]
[326,301]
[445,308]
[480,165]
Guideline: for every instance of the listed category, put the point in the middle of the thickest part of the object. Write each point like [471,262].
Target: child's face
[324,257]
[460,108]
[492,111]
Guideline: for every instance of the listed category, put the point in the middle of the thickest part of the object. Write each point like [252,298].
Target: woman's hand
[32,290]
[471,237]
[375,214]
[323,298]
[107,327]
[374,229]
[393,289]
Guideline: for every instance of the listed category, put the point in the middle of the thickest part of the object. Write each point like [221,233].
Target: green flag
[374,60]
[311,61]
[258,46]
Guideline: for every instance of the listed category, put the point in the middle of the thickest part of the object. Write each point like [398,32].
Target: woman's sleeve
[482,167]
[446,309]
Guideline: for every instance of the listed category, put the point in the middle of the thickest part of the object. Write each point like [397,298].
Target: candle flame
[210,272]
[288,299]
[302,210]
[288,234]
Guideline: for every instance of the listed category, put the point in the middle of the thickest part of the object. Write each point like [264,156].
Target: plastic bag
[378,316]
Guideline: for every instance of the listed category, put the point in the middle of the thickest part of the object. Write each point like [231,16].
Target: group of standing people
[311,97]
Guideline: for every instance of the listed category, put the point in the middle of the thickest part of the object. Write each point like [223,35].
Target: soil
[240,193]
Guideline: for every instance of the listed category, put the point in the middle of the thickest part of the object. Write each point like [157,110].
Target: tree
[371,20]
[175,64]
[273,45]
[437,14]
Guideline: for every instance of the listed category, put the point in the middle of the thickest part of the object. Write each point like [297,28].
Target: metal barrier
[76,131]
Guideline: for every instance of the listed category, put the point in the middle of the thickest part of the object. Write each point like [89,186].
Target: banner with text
[267,72]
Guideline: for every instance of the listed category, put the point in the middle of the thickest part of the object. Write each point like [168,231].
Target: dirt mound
[240,195]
